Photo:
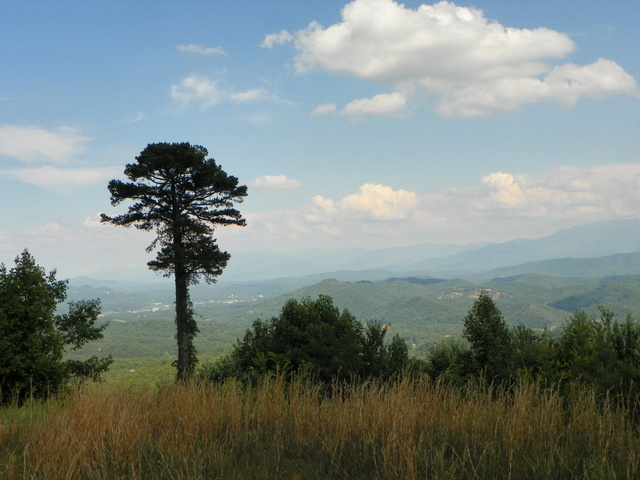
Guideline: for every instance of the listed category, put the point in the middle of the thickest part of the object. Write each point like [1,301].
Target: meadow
[412,428]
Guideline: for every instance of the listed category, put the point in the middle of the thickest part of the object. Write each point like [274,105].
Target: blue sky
[365,124]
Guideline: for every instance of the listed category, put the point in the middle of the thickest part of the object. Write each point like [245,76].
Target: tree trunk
[183,317]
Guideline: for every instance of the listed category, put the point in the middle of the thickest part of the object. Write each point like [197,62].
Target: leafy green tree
[452,360]
[315,337]
[489,337]
[182,196]
[33,339]
[308,335]
[530,352]
[599,351]
[381,359]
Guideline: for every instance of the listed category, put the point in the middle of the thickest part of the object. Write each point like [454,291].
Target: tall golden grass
[410,429]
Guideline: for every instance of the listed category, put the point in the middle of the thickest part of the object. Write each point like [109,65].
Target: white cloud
[384,104]
[326,109]
[274,182]
[372,200]
[255,94]
[59,179]
[503,188]
[475,66]
[500,206]
[568,194]
[33,144]
[201,49]
[277,39]
[197,89]
[207,93]
[597,81]
[565,83]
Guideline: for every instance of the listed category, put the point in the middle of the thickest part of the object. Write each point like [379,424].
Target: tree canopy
[315,337]
[33,338]
[183,196]
[488,334]
[597,350]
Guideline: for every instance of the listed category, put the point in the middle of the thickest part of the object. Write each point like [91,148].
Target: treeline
[316,338]
[596,350]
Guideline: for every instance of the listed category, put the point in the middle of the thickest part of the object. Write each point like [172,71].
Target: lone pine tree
[183,196]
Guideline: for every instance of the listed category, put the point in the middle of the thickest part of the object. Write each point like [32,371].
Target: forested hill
[611,265]
[419,308]
[534,300]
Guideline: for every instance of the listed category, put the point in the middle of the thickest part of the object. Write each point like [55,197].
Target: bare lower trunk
[183,326]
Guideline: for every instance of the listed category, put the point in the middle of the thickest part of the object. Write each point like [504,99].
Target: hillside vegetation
[420,309]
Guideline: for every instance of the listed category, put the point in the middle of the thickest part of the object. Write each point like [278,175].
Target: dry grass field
[411,429]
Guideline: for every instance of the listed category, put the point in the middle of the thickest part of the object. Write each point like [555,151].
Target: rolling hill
[421,305]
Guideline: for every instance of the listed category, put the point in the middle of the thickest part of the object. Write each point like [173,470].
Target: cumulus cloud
[503,188]
[33,144]
[565,193]
[565,83]
[372,200]
[57,178]
[473,65]
[201,49]
[500,206]
[274,182]
[206,92]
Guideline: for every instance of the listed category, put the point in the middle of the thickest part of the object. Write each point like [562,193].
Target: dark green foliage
[182,196]
[598,351]
[315,337]
[33,338]
[452,360]
[489,337]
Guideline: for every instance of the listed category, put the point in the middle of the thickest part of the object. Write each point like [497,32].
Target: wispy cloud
[138,117]
[475,66]
[274,182]
[50,233]
[253,95]
[206,92]
[32,144]
[201,49]
[279,38]
[60,179]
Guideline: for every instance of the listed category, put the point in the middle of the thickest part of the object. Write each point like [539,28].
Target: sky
[365,124]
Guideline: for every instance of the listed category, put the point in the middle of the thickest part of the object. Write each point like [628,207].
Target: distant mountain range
[599,239]
[423,292]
